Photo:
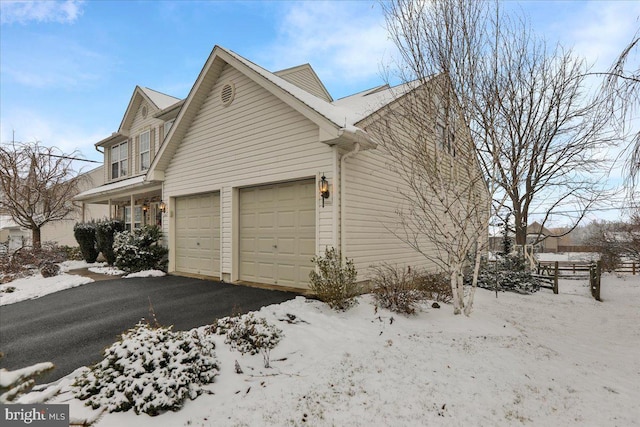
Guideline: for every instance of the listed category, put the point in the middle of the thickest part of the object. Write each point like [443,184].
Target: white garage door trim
[277,233]
[197,247]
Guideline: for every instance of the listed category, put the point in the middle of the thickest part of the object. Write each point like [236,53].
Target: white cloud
[32,126]
[598,30]
[343,41]
[22,12]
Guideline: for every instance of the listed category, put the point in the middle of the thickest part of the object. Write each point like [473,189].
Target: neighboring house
[12,235]
[541,238]
[61,232]
[58,232]
[233,174]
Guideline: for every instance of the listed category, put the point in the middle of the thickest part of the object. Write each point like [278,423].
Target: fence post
[598,275]
[555,278]
[633,268]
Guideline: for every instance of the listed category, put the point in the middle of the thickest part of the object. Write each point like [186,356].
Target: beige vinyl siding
[371,200]
[305,79]
[257,139]
[138,126]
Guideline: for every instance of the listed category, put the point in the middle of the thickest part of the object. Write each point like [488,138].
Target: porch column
[110,210]
[133,215]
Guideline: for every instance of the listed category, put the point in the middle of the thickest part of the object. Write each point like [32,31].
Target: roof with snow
[161,100]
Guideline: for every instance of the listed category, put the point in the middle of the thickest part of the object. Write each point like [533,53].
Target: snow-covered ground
[569,256]
[38,286]
[541,359]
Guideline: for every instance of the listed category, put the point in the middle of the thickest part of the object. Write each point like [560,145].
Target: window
[137,217]
[145,147]
[445,139]
[167,126]
[119,160]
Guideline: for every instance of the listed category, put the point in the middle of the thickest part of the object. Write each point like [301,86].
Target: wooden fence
[582,268]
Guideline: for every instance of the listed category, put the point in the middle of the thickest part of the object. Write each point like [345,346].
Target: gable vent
[145,111]
[227,94]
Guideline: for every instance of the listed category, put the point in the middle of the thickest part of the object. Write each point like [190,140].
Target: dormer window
[145,149]
[119,160]
[167,126]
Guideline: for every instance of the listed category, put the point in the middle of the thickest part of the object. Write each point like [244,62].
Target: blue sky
[68,68]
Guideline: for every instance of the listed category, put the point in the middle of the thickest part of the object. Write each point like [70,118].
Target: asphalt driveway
[72,327]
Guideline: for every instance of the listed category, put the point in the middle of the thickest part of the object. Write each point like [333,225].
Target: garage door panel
[266,220]
[198,234]
[287,246]
[265,245]
[285,236]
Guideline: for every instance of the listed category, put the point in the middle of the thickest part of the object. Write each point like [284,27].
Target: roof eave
[114,137]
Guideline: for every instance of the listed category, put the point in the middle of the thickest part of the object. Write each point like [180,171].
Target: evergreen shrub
[105,234]
[139,250]
[149,370]
[85,234]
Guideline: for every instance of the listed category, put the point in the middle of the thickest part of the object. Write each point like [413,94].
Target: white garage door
[277,233]
[198,234]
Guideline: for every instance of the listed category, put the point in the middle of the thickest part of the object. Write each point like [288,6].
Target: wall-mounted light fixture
[323,186]
[163,207]
[145,207]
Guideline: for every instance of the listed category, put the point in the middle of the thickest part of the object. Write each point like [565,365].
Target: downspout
[343,244]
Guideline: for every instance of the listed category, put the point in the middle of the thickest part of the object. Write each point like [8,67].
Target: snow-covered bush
[149,370]
[138,250]
[15,383]
[396,288]
[105,234]
[248,334]
[521,282]
[85,234]
[72,253]
[335,281]
[49,269]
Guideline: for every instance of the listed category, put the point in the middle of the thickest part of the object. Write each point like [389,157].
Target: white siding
[370,204]
[257,139]
[305,79]
[139,125]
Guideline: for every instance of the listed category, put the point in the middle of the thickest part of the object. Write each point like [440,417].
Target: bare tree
[539,135]
[38,184]
[621,92]
[446,203]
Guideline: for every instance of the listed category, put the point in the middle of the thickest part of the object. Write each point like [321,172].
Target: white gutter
[345,156]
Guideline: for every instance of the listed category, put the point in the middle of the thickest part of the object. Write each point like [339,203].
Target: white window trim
[147,151]
[117,149]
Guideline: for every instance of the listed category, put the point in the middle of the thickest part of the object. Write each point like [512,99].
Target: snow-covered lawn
[37,286]
[569,256]
[540,359]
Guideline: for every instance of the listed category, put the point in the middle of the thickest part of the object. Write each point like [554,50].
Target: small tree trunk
[454,292]
[35,238]
[474,283]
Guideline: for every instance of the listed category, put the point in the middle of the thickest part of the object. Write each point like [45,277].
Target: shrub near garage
[149,370]
[396,288]
[139,250]
[335,281]
[248,334]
